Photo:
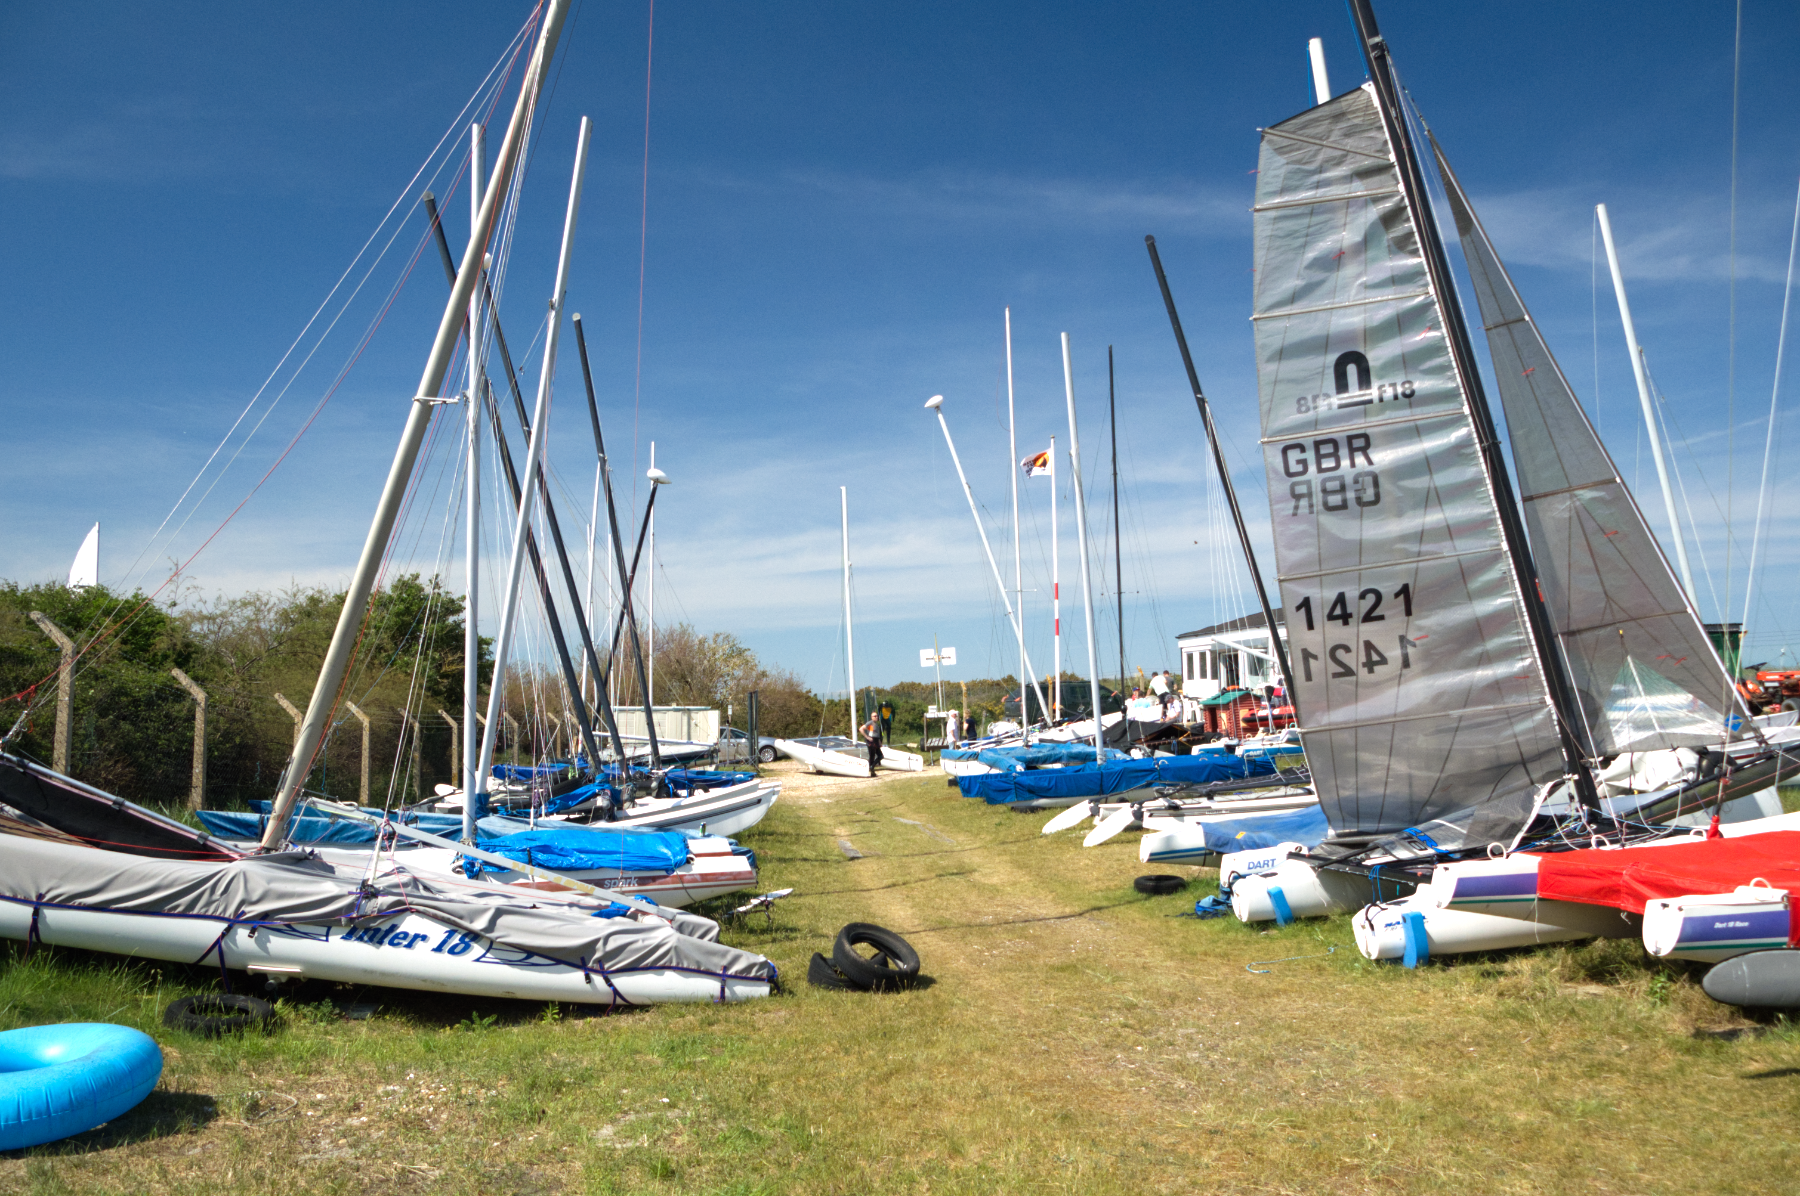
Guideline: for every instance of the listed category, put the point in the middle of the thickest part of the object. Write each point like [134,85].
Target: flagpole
[1087,586]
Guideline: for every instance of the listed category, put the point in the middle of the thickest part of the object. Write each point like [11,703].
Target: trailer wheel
[1791,704]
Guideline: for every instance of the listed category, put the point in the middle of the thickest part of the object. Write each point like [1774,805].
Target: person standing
[871,733]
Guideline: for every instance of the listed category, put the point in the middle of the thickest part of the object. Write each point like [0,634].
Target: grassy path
[1076,1037]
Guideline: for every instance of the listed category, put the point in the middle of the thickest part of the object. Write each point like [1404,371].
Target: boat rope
[1253,966]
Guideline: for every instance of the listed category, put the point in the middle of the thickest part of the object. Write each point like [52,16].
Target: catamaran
[1459,682]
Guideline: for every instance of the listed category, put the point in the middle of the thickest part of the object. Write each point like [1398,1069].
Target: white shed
[1235,652]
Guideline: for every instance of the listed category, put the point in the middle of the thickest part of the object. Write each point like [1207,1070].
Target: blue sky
[842,200]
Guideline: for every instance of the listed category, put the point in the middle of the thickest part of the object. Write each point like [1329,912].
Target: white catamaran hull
[409,951]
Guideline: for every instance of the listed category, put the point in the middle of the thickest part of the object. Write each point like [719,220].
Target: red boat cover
[1626,879]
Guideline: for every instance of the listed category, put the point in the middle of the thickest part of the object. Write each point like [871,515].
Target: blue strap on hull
[1418,949]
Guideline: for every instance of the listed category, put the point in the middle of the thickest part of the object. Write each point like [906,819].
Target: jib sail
[1645,673]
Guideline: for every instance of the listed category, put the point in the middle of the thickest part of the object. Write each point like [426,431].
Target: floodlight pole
[935,404]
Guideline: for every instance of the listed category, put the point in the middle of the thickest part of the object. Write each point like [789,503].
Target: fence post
[455,744]
[363,792]
[65,690]
[753,707]
[512,726]
[197,791]
[293,714]
[410,720]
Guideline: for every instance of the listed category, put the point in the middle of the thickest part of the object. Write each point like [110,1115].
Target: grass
[1076,1037]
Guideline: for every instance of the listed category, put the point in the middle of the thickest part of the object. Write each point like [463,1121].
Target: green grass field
[1075,1037]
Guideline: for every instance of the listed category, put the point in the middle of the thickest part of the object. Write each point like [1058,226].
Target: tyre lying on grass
[894,964]
[1159,886]
[217,1014]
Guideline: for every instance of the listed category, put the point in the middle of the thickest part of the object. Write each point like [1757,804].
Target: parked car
[735,745]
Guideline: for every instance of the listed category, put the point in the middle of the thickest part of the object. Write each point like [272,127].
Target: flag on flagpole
[1038,465]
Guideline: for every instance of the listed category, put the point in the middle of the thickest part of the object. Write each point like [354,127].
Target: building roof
[1250,622]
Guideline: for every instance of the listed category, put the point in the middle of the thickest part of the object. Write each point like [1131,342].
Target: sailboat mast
[1462,355]
[650,603]
[1055,596]
[849,634]
[387,509]
[471,730]
[1762,491]
[534,456]
[1012,455]
[1649,405]
[1112,423]
[1218,454]
[1087,585]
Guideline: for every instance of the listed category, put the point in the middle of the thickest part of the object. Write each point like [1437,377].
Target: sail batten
[1645,672]
[1417,675]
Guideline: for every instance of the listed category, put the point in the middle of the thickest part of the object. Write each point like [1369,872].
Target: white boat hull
[409,951]
[1381,931]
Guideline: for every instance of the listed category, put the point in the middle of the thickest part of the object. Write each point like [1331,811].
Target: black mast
[1112,421]
[625,577]
[1462,356]
[1237,514]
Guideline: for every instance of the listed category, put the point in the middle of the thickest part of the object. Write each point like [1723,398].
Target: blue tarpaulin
[1019,757]
[580,848]
[1113,777]
[1253,832]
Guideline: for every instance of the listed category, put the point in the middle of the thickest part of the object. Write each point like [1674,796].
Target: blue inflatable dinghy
[61,1080]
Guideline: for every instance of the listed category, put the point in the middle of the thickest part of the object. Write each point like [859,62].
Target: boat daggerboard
[1421,696]
[1645,674]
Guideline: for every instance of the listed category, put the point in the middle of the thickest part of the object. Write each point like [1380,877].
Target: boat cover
[1018,757]
[313,825]
[295,889]
[1115,776]
[1253,832]
[1628,879]
[583,848]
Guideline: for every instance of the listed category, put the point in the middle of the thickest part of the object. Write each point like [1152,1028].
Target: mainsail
[1419,687]
[1644,671]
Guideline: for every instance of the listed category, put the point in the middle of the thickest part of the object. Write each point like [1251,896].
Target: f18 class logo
[1354,387]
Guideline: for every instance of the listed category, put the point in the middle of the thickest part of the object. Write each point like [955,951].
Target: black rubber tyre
[1159,886]
[767,754]
[1791,704]
[214,1014]
[895,964]
[821,974]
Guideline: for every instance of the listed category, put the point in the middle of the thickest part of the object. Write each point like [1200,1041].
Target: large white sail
[1644,671]
[1419,689]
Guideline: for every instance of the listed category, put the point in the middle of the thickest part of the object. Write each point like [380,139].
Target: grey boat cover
[1419,689]
[1645,672]
[297,889]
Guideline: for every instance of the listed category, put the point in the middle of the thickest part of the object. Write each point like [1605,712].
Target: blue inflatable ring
[60,1080]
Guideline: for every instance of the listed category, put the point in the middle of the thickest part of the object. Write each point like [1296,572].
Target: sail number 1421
[1343,658]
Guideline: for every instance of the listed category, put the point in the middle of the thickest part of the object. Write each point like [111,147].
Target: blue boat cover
[530,772]
[1113,777]
[1254,832]
[1019,757]
[580,848]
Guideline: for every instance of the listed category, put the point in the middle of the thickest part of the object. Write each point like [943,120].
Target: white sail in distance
[1644,670]
[1419,687]
[86,569]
